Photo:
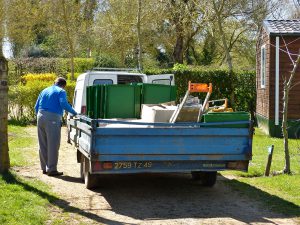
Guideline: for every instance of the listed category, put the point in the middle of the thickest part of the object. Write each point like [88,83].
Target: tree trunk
[223,37]
[4,156]
[140,66]
[287,166]
[286,89]
[178,49]
[69,39]
[226,49]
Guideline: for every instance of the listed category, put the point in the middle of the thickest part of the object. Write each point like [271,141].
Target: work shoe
[55,173]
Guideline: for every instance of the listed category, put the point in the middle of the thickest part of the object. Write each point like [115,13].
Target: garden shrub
[38,76]
[22,96]
[59,66]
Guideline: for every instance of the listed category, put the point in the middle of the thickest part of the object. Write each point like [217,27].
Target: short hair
[60,81]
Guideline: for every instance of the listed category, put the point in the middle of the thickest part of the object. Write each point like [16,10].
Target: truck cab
[97,77]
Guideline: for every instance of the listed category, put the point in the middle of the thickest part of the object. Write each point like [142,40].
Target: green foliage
[243,84]
[208,51]
[106,61]
[180,67]
[59,66]
[22,97]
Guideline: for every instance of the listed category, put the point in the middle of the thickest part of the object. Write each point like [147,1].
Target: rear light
[107,165]
[83,109]
[98,166]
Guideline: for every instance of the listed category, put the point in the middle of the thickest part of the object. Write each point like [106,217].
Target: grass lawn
[280,192]
[23,201]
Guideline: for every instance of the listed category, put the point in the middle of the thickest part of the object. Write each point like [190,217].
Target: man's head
[61,82]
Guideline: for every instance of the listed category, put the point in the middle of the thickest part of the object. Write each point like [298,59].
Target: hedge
[59,66]
[22,96]
[241,83]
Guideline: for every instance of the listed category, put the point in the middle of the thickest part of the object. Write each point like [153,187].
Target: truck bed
[114,147]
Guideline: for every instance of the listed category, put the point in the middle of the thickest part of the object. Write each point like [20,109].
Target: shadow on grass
[272,202]
[61,203]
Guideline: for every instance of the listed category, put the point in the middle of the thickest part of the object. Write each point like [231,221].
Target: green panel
[99,101]
[122,101]
[90,102]
[158,93]
[227,117]
[137,100]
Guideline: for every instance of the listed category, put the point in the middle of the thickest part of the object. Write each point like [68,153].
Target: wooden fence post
[268,166]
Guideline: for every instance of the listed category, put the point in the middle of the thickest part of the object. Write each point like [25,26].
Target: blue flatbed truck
[122,147]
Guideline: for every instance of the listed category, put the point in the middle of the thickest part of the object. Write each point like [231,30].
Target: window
[263,66]
[162,81]
[127,79]
[102,81]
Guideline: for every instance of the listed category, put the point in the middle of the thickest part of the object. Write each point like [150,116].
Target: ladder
[193,88]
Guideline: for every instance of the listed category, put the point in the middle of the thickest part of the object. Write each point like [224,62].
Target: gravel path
[169,199]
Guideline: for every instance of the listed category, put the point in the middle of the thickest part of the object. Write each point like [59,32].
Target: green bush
[59,66]
[22,97]
[241,83]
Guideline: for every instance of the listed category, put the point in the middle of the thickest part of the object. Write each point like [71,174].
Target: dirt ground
[169,199]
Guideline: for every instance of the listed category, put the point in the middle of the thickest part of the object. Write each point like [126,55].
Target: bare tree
[287,86]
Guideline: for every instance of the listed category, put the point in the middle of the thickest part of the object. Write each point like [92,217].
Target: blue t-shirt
[53,99]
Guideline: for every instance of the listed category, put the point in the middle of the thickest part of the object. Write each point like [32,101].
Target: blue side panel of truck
[162,147]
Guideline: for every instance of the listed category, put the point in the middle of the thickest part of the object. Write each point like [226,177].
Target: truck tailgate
[162,142]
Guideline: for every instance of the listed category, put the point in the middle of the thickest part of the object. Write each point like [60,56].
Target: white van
[95,77]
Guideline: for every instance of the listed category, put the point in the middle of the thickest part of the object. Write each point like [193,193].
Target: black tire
[89,179]
[196,175]
[208,179]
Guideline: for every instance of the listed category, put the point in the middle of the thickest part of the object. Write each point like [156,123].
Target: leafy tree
[23,21]
[65,21]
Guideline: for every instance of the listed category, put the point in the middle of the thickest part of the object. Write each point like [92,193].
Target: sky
[7,50]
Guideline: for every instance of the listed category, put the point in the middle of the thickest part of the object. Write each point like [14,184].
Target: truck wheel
[208,179]
[196,175]
[89,179]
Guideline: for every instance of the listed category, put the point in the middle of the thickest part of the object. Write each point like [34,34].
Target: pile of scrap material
[219,108]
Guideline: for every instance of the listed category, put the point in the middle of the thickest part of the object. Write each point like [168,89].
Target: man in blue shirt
[49,109]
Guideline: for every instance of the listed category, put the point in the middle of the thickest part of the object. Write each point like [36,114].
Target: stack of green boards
[124,101]
[227,117]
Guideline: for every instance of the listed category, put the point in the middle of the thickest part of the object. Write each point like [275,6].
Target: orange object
[200,87]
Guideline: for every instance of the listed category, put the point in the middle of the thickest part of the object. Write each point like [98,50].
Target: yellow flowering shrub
[47,77]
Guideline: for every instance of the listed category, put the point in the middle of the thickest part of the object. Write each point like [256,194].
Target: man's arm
[64,103]
[36,107]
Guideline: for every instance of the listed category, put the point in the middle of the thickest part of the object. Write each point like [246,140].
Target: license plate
[132,165]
